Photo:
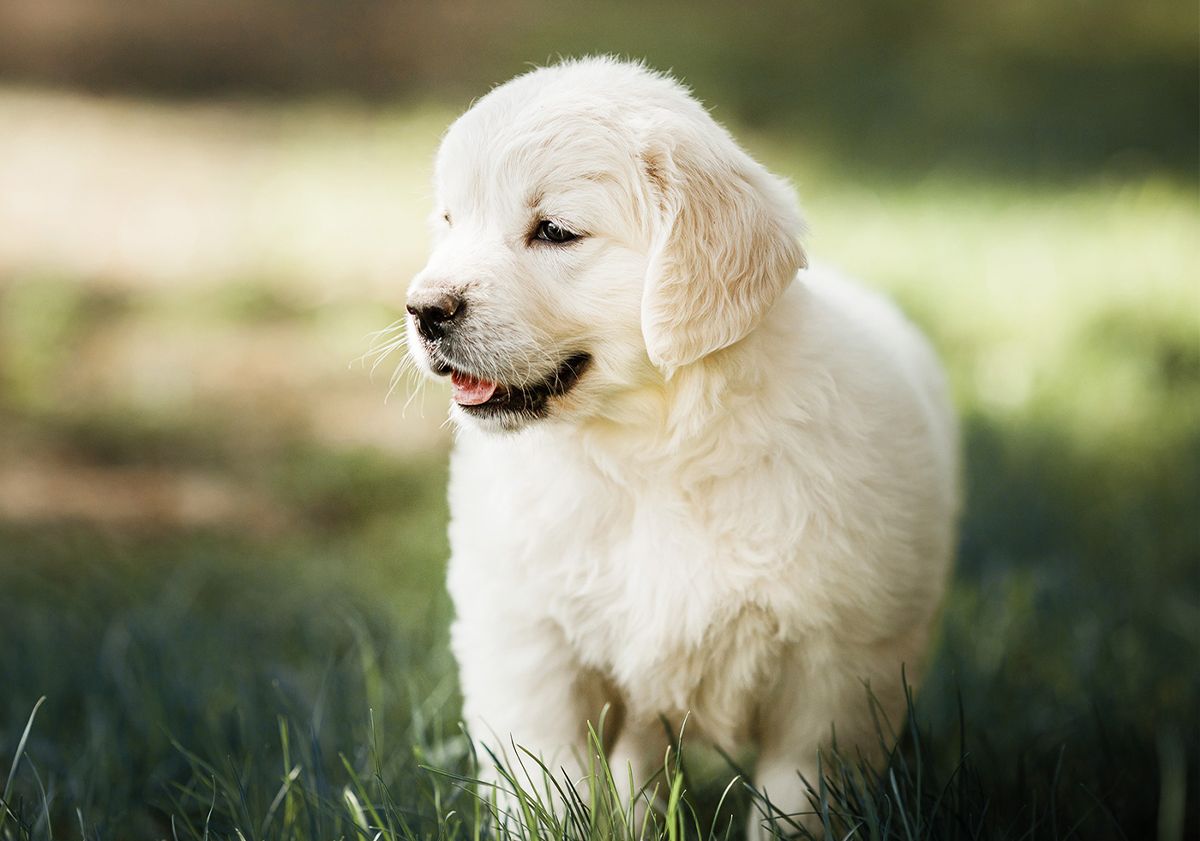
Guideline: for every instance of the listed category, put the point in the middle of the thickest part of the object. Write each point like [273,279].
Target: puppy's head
[595,230]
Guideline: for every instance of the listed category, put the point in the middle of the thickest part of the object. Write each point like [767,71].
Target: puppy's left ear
[728,247]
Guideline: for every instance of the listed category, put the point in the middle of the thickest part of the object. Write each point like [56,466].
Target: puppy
[692,477]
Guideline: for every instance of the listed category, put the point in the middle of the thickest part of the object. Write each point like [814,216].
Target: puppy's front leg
[854,693]
[635,762]
[523,690]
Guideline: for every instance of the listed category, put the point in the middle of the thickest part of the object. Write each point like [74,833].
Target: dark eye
[446,216]
[548,231]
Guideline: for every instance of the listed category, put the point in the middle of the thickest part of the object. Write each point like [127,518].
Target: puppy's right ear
[727,247]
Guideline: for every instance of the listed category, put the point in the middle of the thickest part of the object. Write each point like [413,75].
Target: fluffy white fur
[744,510]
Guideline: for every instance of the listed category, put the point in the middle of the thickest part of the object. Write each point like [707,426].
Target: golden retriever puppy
[692,476]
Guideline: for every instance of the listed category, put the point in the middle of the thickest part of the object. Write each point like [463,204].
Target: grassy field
[221,550]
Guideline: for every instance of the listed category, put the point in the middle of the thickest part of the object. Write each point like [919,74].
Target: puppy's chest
[649,594]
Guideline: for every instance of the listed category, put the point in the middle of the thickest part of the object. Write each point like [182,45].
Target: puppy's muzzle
[435,312]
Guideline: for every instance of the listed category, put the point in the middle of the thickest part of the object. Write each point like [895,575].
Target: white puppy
[691,477]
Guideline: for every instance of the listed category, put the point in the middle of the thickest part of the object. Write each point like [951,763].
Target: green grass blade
[12,771]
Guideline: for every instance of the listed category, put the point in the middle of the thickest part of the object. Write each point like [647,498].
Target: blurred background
[222,519]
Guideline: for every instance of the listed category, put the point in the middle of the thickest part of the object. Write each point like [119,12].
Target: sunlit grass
[1073,303]
[1065,305]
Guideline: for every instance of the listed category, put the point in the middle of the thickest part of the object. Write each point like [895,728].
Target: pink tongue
[468,391]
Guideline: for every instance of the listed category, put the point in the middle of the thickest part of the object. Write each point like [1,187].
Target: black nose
[434,312]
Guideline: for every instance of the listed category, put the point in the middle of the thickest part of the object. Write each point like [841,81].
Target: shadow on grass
[189,673]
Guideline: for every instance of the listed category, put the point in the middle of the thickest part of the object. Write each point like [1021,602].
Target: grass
[221,553]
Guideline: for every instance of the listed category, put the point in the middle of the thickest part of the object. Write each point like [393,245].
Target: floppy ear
[726,250]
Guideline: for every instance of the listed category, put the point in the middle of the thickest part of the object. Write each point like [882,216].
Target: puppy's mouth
[482,397]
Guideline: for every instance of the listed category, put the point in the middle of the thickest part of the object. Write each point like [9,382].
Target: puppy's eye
[548,231]
[446,216]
